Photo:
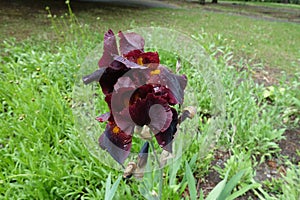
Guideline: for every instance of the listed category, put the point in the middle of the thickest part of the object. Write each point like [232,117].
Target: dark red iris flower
[139,91]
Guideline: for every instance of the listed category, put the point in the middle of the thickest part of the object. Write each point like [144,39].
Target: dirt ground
[268,170]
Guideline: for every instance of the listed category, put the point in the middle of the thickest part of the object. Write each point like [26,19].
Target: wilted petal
[143,155]
[165,138]
[110,49]
[130,42]
[116,143]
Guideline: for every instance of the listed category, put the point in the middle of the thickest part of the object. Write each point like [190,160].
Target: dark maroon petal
[139,111]
[141,93]
[130,42]
[150,58]
[146,58]
[158,90]
[117,65]
[108,100]
[175,83]
[165,138]
[110,49]
[109,79]
[117,144]
[166,94]
[133,55]
[104,117]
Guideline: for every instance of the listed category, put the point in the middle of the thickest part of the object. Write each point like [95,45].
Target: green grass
[42,154]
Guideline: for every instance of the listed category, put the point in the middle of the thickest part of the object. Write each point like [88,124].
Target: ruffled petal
[175,83]
[148,110]
[116,143]
[150,58]
[142,58]
[133,55]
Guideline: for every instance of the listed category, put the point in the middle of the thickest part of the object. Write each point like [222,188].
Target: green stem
[160,186]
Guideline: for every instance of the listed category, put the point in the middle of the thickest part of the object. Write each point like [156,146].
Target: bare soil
[268,170]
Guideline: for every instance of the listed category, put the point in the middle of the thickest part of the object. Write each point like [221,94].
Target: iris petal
[110,49]
[166,137]
[130,42]
[104,117]
[160,117]
[118,144]
[109,79]
[146,57]
[175,83]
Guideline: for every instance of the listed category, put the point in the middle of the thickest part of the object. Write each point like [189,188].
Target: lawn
[254,57]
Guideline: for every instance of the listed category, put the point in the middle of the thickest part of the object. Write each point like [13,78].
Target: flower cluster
[139,91]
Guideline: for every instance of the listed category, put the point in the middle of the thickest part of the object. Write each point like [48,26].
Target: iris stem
[160,186]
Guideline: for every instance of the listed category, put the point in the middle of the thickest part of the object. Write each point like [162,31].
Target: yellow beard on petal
[140,61]
[155,72]
[116,130]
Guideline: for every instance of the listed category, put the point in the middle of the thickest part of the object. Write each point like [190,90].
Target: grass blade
[243,191]
[114,188]
[191,181]
[110,191]
[215,193]
[231,184]
[107,186]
